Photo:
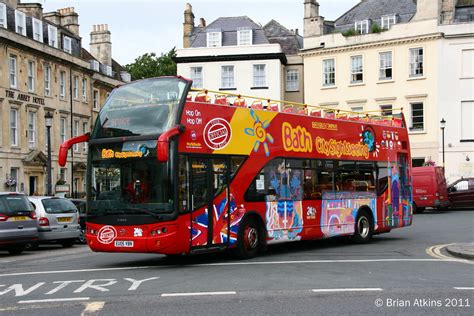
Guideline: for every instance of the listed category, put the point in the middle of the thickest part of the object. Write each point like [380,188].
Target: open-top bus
[173,171]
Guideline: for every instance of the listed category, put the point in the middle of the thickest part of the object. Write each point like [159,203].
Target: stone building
[236,54]
[44,68]
[415,55]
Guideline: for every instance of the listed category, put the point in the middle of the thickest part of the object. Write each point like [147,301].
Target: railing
[258,103]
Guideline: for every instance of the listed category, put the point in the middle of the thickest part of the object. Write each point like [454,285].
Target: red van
[429,188]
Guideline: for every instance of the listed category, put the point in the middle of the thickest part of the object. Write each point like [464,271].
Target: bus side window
[182,184]
[382,177]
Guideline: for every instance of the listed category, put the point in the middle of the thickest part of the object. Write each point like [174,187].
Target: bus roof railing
[381,116]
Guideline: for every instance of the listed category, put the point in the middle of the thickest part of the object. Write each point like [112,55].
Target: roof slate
[374,10]
[276,33]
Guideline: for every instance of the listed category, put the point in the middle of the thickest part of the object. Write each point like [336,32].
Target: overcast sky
[145,26]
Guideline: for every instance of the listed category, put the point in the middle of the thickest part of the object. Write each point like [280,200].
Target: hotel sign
[23,97]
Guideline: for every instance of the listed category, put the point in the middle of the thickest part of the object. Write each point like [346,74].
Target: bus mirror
[67,145]
[162,146]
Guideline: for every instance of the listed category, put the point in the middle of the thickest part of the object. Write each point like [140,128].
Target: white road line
[92,308]
[254,263]
[347,290]
[198,294]
[50,300]
[464,288]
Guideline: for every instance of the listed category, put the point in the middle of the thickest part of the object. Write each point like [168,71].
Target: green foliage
[350,32]
[149,65]
[376,28]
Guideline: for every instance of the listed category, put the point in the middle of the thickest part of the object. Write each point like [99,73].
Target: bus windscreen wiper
[141,210]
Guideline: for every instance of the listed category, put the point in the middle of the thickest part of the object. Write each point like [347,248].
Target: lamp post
[48,118]
[443,125]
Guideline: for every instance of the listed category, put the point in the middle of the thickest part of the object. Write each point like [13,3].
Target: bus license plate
[124,243]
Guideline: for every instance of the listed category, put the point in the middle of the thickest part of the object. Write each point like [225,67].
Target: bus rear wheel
[249,239]
[364,227]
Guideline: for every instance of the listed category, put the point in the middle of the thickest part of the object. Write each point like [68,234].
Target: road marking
[198,294]
[98,287]
[435,251]
[347,290]
[464,288]
[50,300]
[239,264]
[92,308]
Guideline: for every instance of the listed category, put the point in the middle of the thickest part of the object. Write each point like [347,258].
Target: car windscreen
[55,206]
[11,204]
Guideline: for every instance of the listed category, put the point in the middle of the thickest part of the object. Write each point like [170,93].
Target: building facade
[44,69]
[386,55]
[236,54]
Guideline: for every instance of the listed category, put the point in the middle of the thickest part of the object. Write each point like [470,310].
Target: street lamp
[443,125]
[48,118]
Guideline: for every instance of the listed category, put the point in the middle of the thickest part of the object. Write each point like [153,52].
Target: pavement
[464,250]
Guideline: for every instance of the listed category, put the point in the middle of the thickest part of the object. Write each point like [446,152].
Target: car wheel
[419,210]
[16,250]
[364,227]
[82,236]
[249,239]
[68,243]
[31,246]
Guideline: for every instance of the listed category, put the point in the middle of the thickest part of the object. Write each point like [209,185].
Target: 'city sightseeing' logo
[217,133]
[106,235]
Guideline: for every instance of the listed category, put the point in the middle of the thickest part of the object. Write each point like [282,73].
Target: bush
[350,32]
[376,28]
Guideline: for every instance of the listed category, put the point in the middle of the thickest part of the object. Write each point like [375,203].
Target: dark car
[81,206]
[461,193]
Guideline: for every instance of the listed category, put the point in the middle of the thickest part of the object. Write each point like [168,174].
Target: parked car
[58,220]
[81,207]
[429,188]
[17,222]
[461,193]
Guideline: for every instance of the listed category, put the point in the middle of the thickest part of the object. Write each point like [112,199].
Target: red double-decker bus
[176,171]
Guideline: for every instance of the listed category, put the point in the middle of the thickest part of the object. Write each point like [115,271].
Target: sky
[146,26]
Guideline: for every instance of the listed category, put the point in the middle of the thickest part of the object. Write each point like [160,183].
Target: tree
[149,65]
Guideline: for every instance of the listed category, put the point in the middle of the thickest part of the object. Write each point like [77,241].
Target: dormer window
[37,30]
[244,37]
[67,44]
[214,39]
[20,22]
[388,21]
[362,27]
[52,36]
[3,15]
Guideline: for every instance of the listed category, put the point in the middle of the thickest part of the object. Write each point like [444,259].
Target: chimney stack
[69,19]
[101,44]
[313,22]
[202,22]
[188,25]
[32,9]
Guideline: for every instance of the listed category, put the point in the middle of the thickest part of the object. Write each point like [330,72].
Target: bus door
[209,188]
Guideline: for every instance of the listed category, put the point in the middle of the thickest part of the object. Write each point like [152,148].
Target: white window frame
[244,39]
[20,22]
[52,36]
[14,127]
[62,84]
[466,119]
[84,89]
[416,61]
[387,21]
[3,15]
[259,76]
[95,99]
[385,109]
[327,72]
[227,82]
[67,44]
[85,128]
[412,128]
[197,78]
[355,72]
[12,70]
[357,109]
[75,133]
[31,75]
[32,129]
[362,27]
[385,64]
[292,80]
[37,29]
[62,129]
[47,80]
[75,89]
[214,42]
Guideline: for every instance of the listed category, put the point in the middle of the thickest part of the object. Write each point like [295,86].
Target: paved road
[406,271]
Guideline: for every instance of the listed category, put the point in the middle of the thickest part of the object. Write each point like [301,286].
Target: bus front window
[130,187]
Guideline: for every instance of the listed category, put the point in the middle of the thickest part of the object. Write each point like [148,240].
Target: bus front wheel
[364,227]
[249,239]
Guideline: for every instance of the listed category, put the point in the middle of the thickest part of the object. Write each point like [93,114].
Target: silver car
[58,220]
[17,222]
